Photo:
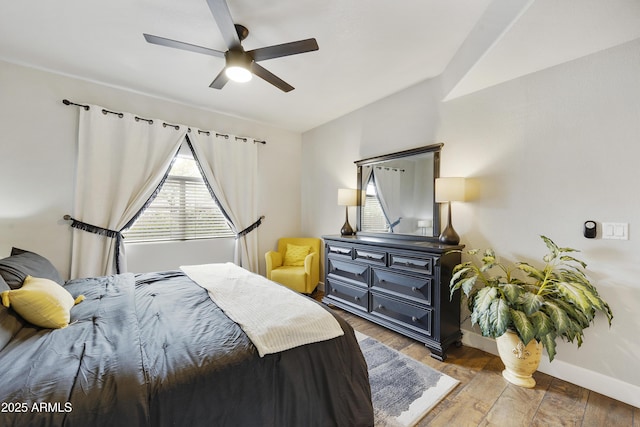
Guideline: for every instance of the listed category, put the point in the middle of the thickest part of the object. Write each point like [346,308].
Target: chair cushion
[295,255]
[291,276]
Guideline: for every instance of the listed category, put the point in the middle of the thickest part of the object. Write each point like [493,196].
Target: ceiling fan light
[238,74]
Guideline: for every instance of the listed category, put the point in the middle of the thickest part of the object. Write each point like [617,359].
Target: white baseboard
[611,387]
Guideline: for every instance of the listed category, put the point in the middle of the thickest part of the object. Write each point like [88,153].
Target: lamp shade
[451,189]
[347,197]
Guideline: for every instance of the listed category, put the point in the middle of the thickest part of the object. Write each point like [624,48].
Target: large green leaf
[483,319]
[524,327]
[460,270]
[542,324]
[553,248]
[575,293]
[499,317]
[457,279]
[530,302]
[484,298]
[467,284]
[512,292]
[557,315]
[549,343]
[575,314]
[531,270]
[567,258]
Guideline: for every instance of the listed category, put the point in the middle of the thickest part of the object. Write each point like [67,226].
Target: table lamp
[450,190]
[347,197]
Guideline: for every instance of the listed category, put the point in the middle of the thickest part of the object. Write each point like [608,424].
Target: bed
[154,349]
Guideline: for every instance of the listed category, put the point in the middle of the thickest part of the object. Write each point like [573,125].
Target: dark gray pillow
[10,322]
[21,263]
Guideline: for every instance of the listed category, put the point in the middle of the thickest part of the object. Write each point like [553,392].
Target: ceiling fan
[240,64]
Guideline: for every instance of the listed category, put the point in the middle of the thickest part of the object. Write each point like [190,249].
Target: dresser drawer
[375,257]
[417,288]
[348,270]
[352,295]
[410,262]
[338,251]
[406,315]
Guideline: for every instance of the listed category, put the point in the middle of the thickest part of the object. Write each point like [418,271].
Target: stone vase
[520,360]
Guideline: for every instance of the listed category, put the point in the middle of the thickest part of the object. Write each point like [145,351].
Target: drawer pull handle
[414,289]
[380,306]
[357,298]
[414,318]
[334,290]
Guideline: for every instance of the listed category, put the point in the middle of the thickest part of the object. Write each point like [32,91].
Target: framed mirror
[396,196]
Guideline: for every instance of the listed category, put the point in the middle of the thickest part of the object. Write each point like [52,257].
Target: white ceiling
[369,49]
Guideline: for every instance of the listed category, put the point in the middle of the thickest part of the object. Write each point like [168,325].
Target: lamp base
[346,229]
[449,236]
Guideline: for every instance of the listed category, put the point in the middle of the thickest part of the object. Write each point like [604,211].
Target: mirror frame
[433,148]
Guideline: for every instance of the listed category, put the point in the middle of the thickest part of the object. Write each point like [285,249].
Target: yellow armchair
[296,264]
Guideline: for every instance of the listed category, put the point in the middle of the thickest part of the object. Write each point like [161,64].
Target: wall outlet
[615,230]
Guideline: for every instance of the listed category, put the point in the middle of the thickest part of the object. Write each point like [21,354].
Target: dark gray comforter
[156,351]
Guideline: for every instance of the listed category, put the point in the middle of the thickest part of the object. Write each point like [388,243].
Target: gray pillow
[10,322]
[3,285]
[15,268]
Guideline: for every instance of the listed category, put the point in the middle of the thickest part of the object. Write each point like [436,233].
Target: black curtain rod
[67,102]
[150,121]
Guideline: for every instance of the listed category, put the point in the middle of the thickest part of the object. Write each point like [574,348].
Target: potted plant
[534,306]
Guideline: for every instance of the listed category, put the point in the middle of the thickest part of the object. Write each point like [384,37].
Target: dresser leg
[437,354]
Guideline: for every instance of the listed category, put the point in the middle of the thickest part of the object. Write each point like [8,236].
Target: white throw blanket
[274,317]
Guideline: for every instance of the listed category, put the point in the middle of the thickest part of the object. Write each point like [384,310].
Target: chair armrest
[312,267]
[308,262]
[273,260]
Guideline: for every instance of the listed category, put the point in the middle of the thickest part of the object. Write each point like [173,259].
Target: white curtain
[389,189]
[230,166]
[121,161]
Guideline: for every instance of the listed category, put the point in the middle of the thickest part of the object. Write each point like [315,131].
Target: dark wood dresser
[397,283]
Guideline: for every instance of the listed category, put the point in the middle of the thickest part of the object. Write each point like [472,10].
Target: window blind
[373,218]
[182,210]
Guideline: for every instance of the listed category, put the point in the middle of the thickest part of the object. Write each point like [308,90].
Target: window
[182,210]
[373,218]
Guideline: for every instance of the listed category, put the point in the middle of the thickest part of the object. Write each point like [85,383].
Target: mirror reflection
[397,193]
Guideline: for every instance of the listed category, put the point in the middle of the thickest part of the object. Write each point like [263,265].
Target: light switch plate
[615,230]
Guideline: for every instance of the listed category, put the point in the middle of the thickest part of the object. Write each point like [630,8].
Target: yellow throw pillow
[295,255]
[41,302]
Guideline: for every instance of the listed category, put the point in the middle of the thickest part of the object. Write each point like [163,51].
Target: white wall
[37,161]
[549,151]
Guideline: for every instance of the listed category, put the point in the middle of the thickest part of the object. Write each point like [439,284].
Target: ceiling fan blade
[269,77]
[285,49]
[220,80]
[182,45]
[223,18]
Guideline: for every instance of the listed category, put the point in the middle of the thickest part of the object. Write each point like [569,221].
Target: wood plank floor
[484,398]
